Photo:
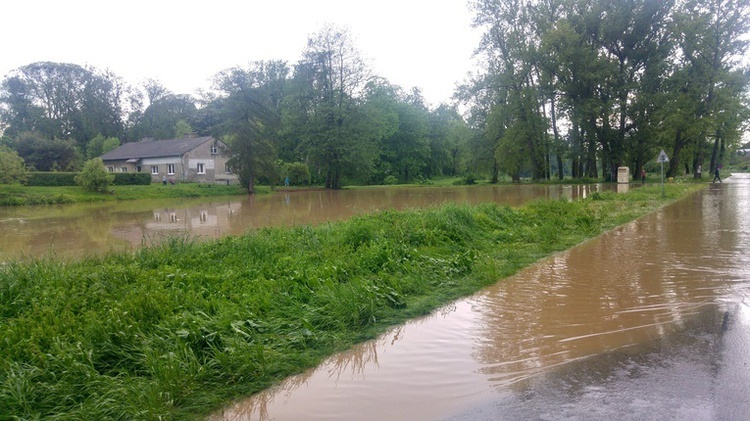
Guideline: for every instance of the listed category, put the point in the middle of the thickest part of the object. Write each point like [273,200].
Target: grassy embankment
[175,330]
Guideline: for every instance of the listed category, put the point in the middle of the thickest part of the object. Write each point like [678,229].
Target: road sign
[662,157]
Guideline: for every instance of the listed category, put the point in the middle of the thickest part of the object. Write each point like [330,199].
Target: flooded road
[650,321]
[76,230]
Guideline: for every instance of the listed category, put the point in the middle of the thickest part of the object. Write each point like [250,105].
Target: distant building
[191,159]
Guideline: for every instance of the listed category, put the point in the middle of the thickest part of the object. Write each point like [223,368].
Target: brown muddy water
[650,321]
[77,230]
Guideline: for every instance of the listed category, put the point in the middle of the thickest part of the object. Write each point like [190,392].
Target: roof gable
[155,148]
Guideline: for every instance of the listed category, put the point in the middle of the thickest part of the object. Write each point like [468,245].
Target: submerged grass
[175,330]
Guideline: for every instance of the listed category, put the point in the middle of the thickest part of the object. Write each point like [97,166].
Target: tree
[329,84]
[100,145]
[712,39]
[250,110]
[407,150]
[12,167]
[61,101]
[42,154]
[449,135]
[181,129]
[628,77]
[94,177]
[161,119]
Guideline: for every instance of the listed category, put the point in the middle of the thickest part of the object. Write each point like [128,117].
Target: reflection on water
[670,280]
[73,230]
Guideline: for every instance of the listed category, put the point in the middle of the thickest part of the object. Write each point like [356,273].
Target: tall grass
[177,329]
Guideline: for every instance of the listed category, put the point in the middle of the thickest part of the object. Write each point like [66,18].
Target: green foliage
[132,179]
[100,145]
[181,129]
[51,179]
[390,180]
[251,118]
[12,166]
[94,177]
[165,116]
[43,154]
[162,334]
[298,173]
[468,180]
[62,101]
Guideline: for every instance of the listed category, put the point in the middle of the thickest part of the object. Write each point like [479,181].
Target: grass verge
[176,330]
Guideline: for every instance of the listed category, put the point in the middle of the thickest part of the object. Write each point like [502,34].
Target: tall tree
[329,84]
[250,107]
[407,150]
[160,118]
[712,40]
[62,101]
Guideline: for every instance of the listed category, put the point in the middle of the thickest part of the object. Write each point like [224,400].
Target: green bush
[132,179]
[390,180]
[12,166]
[298,173]
[50,179]
[469,180]
[94,177]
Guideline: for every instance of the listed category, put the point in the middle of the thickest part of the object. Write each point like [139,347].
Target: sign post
[662,159]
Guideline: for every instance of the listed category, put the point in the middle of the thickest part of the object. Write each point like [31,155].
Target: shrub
[390,180]
[50,179]
[470,179]
[94,177]
[132,179]
[298,173]
[12,166]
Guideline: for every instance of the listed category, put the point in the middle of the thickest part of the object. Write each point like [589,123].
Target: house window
[227,169]
[214,150]
[123,169]
[170,169]
[201,169]
[138,169]
[155,170]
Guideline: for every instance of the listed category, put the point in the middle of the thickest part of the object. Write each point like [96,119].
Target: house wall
[162,164]
[214,165]
[120,166]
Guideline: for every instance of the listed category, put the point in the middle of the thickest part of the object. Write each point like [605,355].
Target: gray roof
[154,148]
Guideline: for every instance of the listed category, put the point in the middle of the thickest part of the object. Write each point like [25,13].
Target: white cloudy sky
[423,43]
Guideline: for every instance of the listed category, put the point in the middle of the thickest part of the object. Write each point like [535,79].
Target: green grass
[17,195]
[176,330]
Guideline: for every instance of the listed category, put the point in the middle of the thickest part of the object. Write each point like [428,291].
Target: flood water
[650,321]
[76,230]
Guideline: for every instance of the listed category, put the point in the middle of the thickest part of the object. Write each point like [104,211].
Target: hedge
[50,179]
[58,179]
[132,179]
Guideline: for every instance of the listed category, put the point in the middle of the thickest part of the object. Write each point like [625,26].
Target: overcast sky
[422,43]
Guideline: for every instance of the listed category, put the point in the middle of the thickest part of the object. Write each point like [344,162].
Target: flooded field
[649,321]
[76,230]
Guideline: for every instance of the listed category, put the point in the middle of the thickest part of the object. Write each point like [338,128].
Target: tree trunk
[674,163]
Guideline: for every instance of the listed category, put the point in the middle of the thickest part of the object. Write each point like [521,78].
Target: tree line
[608,83]
[566,88]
